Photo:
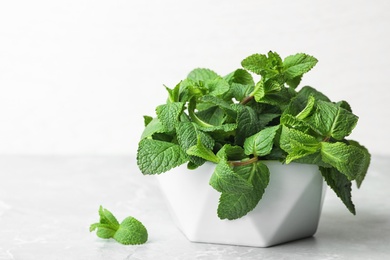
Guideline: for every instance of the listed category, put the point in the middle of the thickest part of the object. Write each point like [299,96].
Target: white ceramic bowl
[290,208]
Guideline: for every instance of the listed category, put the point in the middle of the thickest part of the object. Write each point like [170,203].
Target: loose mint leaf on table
[236,205]
[350,160]
[340,184]
[169,113]
[155,157]
[129,232]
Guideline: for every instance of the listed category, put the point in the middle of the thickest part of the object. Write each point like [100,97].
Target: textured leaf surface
[350,160]
[298,64]
[131,232]
[297,144]
[340,185]
[224,179]
[156,157]
[236,205]
[332,120]
[261,143]
[188,135]
[168,114]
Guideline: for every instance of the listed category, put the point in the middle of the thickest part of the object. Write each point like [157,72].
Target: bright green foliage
[237,122]
[341,186]
[261,143]
[156,156]
[233,205]
[298,64]
[297,144]
[129,232]
[345,158]
[168,114]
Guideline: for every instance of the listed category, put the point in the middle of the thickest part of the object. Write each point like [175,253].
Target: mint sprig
[129,232]
[237,122]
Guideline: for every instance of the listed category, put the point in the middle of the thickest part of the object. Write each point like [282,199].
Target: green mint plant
[129,232]
[238,122]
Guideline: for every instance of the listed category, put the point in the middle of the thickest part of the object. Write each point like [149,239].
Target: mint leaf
[224,179]
[297,144]
[213,115]
[298,64]
[168,114]
[231,152]
[365,163]
[248,123]
[240,76]
[129,232]
[154,156]
[200,150]
[188,135]
[260,144]
[236,205]
[224,105]
[154,126]
[331,120]
[350,160]
[202,74]
[173,94]
[255,63]
[217,86]
[147,120]
[340,185]
[306,111]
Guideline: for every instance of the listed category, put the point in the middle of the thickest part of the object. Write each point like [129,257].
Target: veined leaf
[224,179]
[298,64]
[169,113]
[200,150]
[236,205]
[297,144]
[248,123]
[260,144]
[154,157]
[202,74]
[340,185]
[188,135]
[350,160]
[331,120]
[255,63]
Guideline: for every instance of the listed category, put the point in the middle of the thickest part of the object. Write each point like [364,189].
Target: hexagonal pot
[289,210]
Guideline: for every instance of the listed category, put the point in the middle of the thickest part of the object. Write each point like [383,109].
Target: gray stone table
[48,203]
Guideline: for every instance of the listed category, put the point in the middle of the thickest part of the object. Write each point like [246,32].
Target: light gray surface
[48,203]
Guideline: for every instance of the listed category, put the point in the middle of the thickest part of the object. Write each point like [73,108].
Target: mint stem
[242,163]
[246,100]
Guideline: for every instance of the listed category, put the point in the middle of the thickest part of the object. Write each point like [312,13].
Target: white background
[76,77]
